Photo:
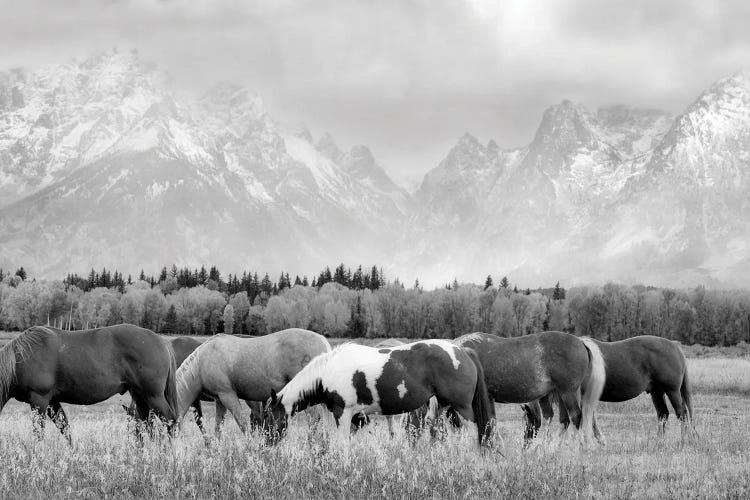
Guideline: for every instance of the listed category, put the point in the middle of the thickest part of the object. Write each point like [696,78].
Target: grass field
[105,460]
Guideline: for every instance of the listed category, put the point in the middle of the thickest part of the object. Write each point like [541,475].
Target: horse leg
[221,411]
[256,413]
[344,423]
[38,405]
[438,430]
[38,417]
[57,415]
[662,412]
[232,403]
[532,422]
[571,402]
[415,423]
[597,433]
[142,417]
[198,416]
[680,410]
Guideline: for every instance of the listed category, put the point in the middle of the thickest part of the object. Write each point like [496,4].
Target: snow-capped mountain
[624,194]
[101,164]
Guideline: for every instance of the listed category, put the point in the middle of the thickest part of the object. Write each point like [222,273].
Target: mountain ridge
[101,163]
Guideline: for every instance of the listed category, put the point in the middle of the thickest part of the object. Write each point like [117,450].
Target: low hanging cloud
[406,77]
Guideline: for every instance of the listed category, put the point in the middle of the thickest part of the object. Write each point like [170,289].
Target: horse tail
[685,392]
[592,387]
[484,410]
[170,389]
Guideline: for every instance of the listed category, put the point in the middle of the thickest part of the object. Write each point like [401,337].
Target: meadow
[106,461]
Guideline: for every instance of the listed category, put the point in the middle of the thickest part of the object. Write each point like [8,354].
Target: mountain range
[103,164]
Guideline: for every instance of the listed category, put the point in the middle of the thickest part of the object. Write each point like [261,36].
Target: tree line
[346,303]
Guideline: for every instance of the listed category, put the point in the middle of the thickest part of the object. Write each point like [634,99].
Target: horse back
[520,369]
[641,364]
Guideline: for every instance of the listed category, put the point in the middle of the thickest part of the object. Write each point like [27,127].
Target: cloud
[407,77]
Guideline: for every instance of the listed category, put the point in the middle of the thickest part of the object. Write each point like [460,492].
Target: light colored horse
[228,369]
[389,381]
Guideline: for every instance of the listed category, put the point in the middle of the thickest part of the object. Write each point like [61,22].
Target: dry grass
[720,376]
[106,461]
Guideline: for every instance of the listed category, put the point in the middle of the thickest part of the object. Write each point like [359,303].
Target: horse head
[275,419]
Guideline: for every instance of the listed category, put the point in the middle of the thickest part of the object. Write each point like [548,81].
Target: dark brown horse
[523,369]
[182,347]
[640,364]
[45,367]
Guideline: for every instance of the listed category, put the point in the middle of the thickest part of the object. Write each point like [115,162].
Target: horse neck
[306,388]
[189,384]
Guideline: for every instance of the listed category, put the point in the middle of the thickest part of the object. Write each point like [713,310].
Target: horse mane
[470,337]
[308,381]
[21,345]
[187,376]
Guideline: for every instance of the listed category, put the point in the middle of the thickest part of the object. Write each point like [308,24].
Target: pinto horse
[355,378]
[228,368]
[523,369]
[45,367]
[636,365]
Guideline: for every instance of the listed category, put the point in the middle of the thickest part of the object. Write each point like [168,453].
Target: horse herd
[286,372]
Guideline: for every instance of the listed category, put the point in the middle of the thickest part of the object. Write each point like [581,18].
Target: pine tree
[142,276]
[504,283]
[558,293]
[163,275]
[214,274]
[339,275]
[297,281]
[356,282]
[170,321]
[91,283]
[305,282]
[488,282]
[21,273]
[357,326]
[374,279]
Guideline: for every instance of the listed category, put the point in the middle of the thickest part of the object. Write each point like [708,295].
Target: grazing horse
[523,369]
[636,365]
[228,368]
[45,367]
[355,378]
[182,347]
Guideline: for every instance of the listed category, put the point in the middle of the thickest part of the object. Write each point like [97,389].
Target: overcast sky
[407,78]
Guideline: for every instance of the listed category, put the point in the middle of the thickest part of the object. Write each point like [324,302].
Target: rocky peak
[328,147]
